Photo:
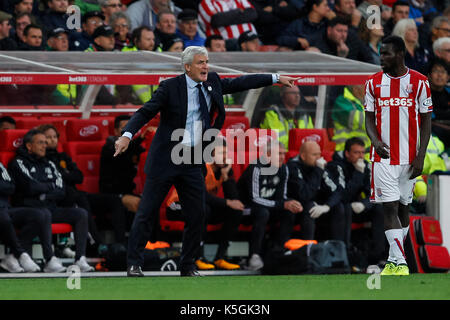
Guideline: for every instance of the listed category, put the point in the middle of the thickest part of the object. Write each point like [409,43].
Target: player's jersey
[397,103]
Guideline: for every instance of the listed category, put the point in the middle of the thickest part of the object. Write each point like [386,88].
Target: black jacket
[268,191]
[8,44]
[171,100]
[229,188]
[355,185]
[117,173]
[38,182]
[7,187]
[311,184]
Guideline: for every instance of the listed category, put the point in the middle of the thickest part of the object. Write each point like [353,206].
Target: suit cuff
[128,135]
[275,77]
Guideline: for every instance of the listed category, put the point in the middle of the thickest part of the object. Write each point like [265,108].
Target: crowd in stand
[323,198]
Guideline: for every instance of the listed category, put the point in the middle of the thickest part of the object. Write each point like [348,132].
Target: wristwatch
[277,75]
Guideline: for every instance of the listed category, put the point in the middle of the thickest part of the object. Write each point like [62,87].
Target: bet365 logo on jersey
[395,102]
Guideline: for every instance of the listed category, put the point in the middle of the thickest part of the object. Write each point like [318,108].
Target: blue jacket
[187,42]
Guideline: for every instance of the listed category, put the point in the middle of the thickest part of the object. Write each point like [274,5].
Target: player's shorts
[391,183]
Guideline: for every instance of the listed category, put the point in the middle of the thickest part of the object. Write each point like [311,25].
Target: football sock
[405,232]
[395,240]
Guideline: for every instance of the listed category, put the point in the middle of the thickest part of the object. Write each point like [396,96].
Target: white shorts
[391,183]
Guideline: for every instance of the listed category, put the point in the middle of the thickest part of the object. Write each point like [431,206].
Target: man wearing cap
[249,41]
[6,43]
[89,22]
[188,28]
[57,40]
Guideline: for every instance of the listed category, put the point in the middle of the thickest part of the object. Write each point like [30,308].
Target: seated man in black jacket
[226,210]
[353,173]
[311,184]
[39,184]
[266,196]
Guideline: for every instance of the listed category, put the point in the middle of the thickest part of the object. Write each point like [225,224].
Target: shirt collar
[191,83]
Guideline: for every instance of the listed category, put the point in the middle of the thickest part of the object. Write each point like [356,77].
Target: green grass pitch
[336,287]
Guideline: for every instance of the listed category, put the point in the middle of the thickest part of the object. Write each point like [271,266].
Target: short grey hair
[119,15]
[187,56]
[438,21]
[437,45]
[401,26]
[103,3]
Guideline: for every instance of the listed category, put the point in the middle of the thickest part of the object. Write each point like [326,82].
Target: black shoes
[135,271]
[190,273]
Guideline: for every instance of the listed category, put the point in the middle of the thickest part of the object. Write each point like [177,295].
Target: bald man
[310,184]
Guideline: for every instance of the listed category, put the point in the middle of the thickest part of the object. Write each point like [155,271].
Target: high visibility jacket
[65,94]
[281,121]
[348,120]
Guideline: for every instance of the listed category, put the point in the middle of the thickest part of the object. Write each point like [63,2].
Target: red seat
[110,120]
[11,139]
[6,157]
[58,228]
[75,148]
[298,136]
[87,130]
[236,122]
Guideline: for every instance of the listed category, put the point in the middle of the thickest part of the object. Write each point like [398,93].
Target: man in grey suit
[191,102]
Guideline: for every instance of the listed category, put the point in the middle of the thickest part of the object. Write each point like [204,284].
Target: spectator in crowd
[39,185]
[32,38]
[103,37]
[188,28]
[266,197]
[385,10]
[172,43]
[215,43]
[416,57]
[120,23]
[227,18]
[310,184]
[7,123]
[289,114]
[109,7]
[56,16]
[400,10]
[273,17]
[440,28]
[145,12]
[301,32]
[438,77]
[6,43]
[165,27]
[421,11]
[226,209]
[89,22]
[249,42]
[22,20]
[58,40]
[117,173]
[23,6]
[347,9]
[143,38]
[441,49]
[371,37]
[348,118]
[30,222]
[353,174]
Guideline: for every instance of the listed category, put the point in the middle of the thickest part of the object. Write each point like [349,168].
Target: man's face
[59,43]
[356,152]
[217,45]
[438,76]
[121,27]
[37,145]
[24,6]
[311,154]
[388,58]
[188,28]
[442,31]
[444,52]
[338,33]
[346,7]
[106,42]
[400,12]
[21,23]
[167,23]
[4,29]
[220,156]
[277,155]
[252,45]
[176,47]
[198,69]
[291,97]
[118,131]
[34,37]
[111,7]
[147,41]
[58,5]
[7,126]
[52,138]
[91,24]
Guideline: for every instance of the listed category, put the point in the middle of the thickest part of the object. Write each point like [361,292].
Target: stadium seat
[236,122]
[298,136]
[58,228]
[6,157]
[87,130]
[11,139]
[28,122]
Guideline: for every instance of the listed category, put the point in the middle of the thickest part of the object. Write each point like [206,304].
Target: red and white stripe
[208,8]
[397,119]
